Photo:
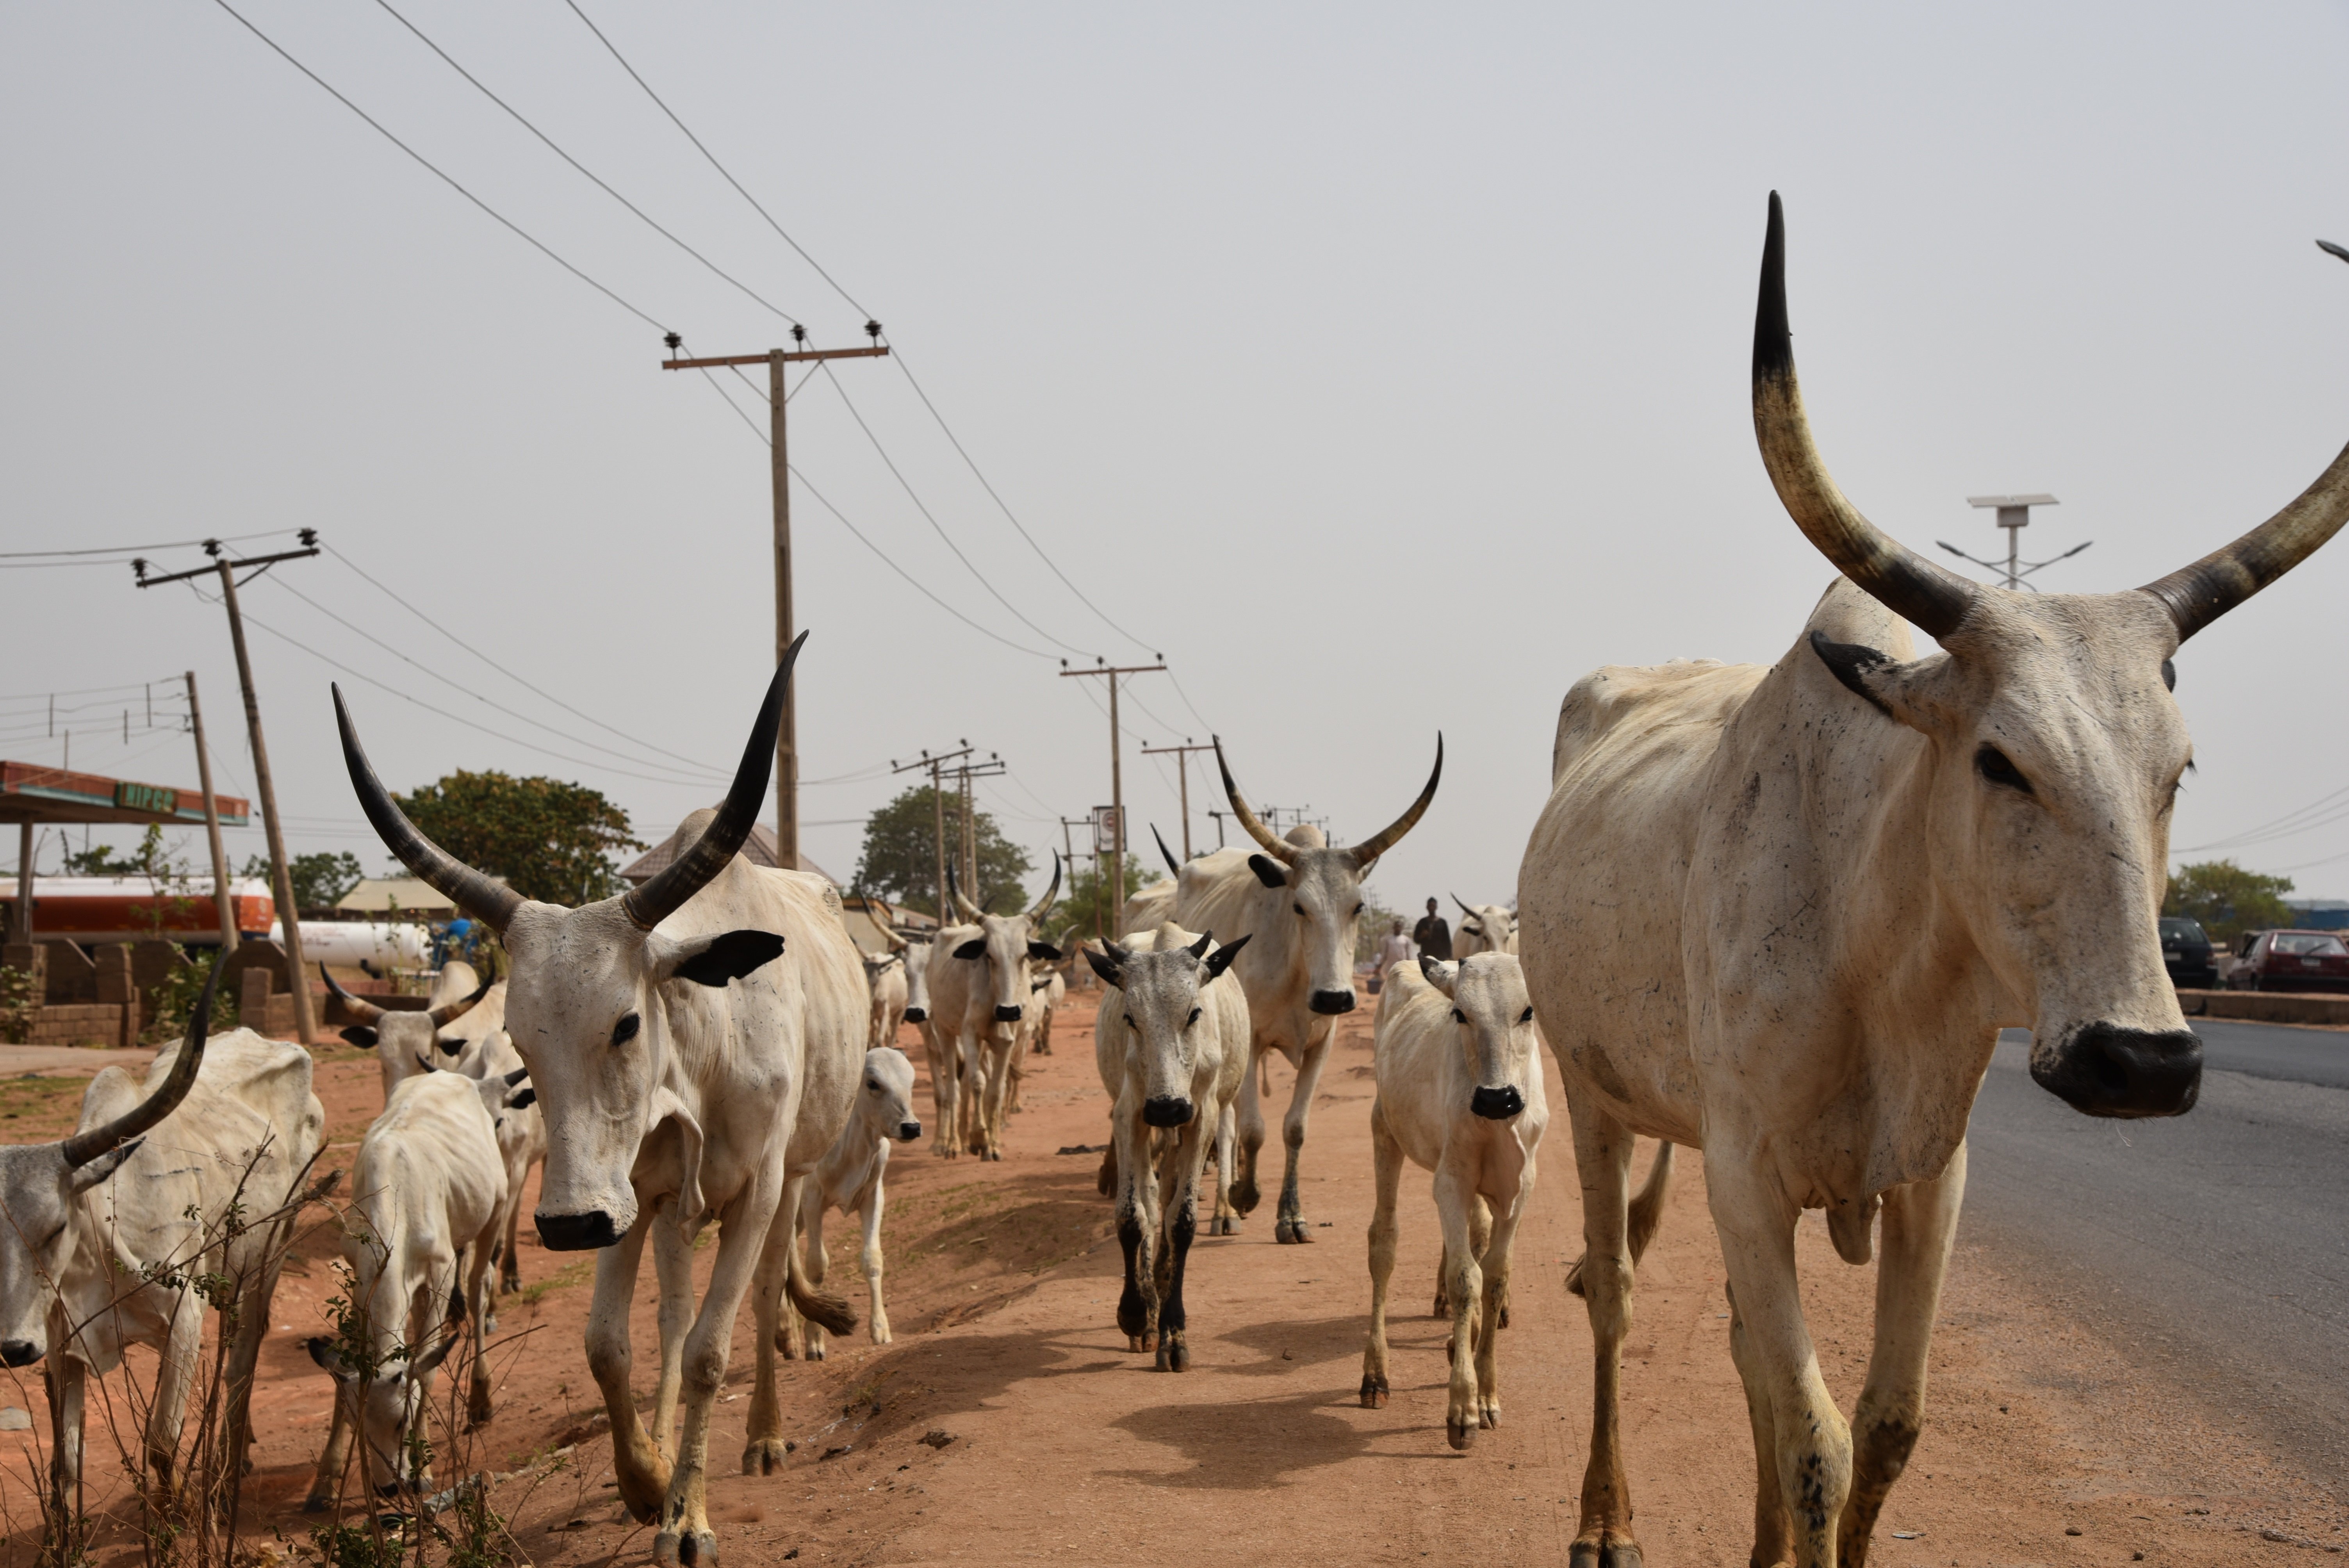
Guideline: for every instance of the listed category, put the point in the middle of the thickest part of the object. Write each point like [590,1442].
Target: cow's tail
[831,1312]
[1647,1213]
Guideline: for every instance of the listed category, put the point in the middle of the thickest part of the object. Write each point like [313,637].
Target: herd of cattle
[1775,914]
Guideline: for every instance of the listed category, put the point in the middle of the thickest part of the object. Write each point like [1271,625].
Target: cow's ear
[1268,871]
[527,1097]
[360,1036]
[1221,958]
[323,1351]
[84,1177]
[1903,693]
[715,960]
[974,949]
[1103,966]
[1440,975]
[1043,953]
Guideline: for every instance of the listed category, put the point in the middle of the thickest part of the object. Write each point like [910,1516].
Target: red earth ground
[1008,1423]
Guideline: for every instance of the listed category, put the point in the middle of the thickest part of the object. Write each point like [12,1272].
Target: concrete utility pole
[305,1024]
[993,767]
[1116,762]
[787,744]
[2014,516]
[934,765]
[1181,755]
[226,911]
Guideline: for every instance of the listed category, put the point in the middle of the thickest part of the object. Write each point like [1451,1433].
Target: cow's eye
[1527,1017]
[1299,908]
[1129,1021]
[1192,1019]
[872,1084]
[626,1030]
[1358,912]
[1458,1016]
[1993,764]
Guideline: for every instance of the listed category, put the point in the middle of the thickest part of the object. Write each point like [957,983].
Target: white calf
[1460,1094]
[1171,1043]
[428,1188]
[849,1180]
[886,974]
[504,1082]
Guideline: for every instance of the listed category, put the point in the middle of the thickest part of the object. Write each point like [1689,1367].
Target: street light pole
[2014,516]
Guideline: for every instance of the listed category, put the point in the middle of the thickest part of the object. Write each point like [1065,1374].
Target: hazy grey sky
[1385,366]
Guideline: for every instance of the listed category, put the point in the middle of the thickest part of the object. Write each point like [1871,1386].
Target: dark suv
[2186,953]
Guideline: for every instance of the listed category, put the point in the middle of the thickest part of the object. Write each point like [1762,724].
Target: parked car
[2293,961]
[2186,951]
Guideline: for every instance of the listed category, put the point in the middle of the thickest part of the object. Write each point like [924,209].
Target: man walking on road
[1395,948]
[1434,937]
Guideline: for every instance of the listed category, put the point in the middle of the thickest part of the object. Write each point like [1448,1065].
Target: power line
[634,76]
[597,179]
[128,549]
[438,172]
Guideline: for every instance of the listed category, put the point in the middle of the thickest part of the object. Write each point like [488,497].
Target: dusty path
[1058,1445]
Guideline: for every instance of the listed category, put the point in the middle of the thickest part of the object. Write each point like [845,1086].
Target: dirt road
[1048,1441]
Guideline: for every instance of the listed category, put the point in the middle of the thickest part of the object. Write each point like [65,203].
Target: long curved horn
[888,921]
[453,1011]
[1380,842]
[963,907]
[1052,893]
[688,874]
[1904,582]
[365,1012]
[83,1147]
[1465,909]
[435,866]
[1172,863]
[2198,595]
[1279,848]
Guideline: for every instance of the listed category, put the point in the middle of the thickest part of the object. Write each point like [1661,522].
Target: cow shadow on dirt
[1246,1447]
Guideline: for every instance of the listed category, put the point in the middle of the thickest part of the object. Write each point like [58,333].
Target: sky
[1383,367]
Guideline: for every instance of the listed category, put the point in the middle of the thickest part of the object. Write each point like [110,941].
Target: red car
[2295,960]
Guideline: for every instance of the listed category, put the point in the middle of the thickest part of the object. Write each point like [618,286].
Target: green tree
[2227,898]
[1086,894]
[550,840]
[151,859]
[900,857]
[319,879]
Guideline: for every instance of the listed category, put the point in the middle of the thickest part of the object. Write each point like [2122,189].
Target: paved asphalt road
[2213,1247]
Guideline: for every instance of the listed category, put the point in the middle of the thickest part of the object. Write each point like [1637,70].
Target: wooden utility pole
[211,824]
[964,773]
[1068,858]
[787,745]
[1181,755]
[1116,765]
[938,811]
[305,1024]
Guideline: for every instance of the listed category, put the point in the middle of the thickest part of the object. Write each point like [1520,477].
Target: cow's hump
[1616,697]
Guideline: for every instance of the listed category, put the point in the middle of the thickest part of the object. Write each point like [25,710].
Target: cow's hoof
[1179,1359]
[1223,1225]
[995,1154]
[1488,1416]
[316,1502]
[1459,1433]
[764,1456]
[510,1286]
[692,1549]
[1443,1307]
[1503,1321]
[1245,1196]
[1604,1549]
[1290,1232]
[1375,1392]
[815,1353]
[489,1325]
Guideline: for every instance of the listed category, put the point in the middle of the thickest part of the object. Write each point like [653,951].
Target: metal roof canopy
[53,797]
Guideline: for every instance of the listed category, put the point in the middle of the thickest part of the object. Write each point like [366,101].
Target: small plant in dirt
[18,1005]
[348,1546]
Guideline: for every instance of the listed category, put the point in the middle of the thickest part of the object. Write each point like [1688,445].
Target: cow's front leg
[1290,1224]
[945,1136]
[999,1061]
[642,1473]
[1227,1222]
[1137,1305]
[1602,1156]
[67,1380]
[974,1093]
[1809,1462]
[1241,1179]
[871,1214]
[818,1264]
[326,1484]
[1919,1222]
[685,1536]
[1455,1206]
[1498,1252]
[479,1281]
[1386,1160]
[1189,1160]
[673,1270]
[763,1448]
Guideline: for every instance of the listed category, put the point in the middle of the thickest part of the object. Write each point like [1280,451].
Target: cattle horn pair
[1915,588]
[366,1012]
[1369,850]
[83,1147]
[972,912]
[887,923]
[646,906]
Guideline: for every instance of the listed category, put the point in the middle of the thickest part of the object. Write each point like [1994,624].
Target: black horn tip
[1172,863]
[1774,344]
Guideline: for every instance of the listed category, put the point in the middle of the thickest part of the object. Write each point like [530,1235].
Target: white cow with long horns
[696,1046]
[1298,904]
[409,1043]
[1780,915]
[108,1233]
[980,986]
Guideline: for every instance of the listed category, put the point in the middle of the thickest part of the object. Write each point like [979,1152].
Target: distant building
[2319,913]
[759,849]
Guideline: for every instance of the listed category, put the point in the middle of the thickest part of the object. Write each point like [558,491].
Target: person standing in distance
[1434,937]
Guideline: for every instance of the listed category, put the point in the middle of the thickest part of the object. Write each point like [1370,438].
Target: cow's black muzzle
[576,1233]
[2106,1070]
[1166,1110]
[1329,1004]
[19,1352]
[1007,1014]
[908,1130]
[1497,1104]
[917,1014]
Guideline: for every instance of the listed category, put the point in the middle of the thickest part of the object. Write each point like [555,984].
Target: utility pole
[1068,858]
[964,773]
[2014,516]
[1116,761]
[1181,755]
[306,1025]
[787,744]
[1218,817]
[211,824]
[933,765]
